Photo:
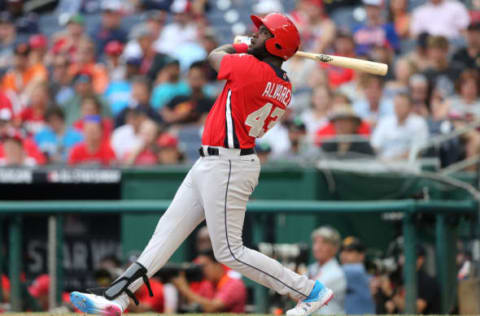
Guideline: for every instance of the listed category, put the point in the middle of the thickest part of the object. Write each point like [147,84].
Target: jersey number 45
[256,120]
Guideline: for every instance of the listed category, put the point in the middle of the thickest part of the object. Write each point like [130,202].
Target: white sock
[123,300]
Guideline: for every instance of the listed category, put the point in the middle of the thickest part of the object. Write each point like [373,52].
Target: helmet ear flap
[274,48]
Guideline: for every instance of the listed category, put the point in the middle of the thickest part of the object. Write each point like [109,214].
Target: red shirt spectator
[155,303]
[94,150]
[329,131]
[31,149]
[107,127]
[232,293]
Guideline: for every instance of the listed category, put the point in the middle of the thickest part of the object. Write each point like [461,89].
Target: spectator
[358,299]
[397,134]
[115,66]
[66,42]
[326,242]
[469,56]
[14,154]
[466,103]
[420,90]
[168,152]
[168,85]
[126,137]
[440,18]
[110,28]
[32,118]
[427,290]
[317,116]
[404,70]
[345,123]
[26,22]
[181,31]
[8,37]
[375,105]
[300,71]
[189,108]
[442,74]
[141,99]
[84,62]
[56,139]
[343,46]
[59,80]
[301,150]
[83,88]
[118,93]
[144,153]
[92,106]
[374,32]
[23,77]
[400,17]
[419,56]
[230,293]
[93,150]
[263,151]
[4,292]
[39,290]
[38,44]
[152,61]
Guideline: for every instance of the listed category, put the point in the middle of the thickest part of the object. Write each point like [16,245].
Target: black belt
[212,151]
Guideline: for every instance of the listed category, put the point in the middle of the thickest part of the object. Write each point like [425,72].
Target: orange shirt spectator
[147,302]
[22,74]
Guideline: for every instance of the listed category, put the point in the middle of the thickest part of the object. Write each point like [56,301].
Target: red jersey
[253,100]
[80,155]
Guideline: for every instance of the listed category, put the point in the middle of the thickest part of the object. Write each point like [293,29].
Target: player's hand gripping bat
[339,61]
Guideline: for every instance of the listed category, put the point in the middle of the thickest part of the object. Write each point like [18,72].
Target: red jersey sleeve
[236,66]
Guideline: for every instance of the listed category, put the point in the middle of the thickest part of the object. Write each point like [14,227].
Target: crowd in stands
[121,97]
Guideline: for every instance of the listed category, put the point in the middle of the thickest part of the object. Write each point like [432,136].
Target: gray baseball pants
[217,189]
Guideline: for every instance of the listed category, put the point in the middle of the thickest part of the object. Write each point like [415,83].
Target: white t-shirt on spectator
[392,140]
[313,124]
[174,35]
[447,19]
[333,277]
[124,140]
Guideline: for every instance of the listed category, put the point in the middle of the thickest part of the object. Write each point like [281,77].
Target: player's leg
[231,183]
[182,216]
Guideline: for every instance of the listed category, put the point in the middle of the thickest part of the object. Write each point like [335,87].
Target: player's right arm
[215,57]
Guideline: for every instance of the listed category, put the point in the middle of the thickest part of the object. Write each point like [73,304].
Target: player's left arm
[215,57]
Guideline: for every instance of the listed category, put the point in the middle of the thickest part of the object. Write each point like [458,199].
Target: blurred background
[369,184]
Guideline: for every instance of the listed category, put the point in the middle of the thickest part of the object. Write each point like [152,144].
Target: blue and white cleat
[319,297]
[95,304]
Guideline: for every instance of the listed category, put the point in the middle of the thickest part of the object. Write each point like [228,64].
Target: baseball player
[217,188]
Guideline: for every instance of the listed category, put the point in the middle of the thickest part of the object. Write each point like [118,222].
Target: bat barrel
[347,62]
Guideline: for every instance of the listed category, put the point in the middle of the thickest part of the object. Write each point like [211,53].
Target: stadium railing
[409,208]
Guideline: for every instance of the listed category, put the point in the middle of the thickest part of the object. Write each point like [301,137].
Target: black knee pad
[120,285]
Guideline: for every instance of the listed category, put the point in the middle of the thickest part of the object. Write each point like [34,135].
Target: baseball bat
[347,62]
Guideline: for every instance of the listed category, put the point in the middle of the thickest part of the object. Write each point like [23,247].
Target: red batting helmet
[285,40]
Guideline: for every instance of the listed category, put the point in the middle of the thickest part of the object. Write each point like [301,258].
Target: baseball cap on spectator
[437,42]
[353,244]
[343,112]
[376,3]
[111,6]
[263,148]
[180,6]
[296,125]
[267,6]
[329,234]
[40,286]
[22,49]
[420,251]
[93,118]
[422,40]
[38,41]
[77,19]
[140,31]
[5,114]
[114,48]
[134,61]
[167,141]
